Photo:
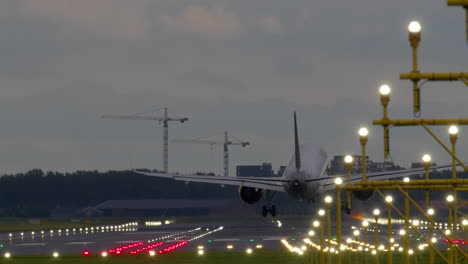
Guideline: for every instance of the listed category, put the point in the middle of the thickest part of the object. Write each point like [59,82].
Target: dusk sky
[241,66]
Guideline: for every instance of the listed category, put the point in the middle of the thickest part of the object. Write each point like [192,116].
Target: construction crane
[225,143]
[165,120]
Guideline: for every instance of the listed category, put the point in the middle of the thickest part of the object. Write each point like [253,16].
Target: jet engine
[250,195]
[364,195]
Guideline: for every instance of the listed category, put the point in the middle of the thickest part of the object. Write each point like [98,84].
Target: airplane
[305,178]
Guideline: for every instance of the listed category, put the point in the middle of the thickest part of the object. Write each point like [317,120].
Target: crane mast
[165,120]
[225,144]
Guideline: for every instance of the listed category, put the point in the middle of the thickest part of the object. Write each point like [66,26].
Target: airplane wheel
[273,210]
[348,210]
[264,211]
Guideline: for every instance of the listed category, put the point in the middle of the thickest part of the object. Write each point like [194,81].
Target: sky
[238,66]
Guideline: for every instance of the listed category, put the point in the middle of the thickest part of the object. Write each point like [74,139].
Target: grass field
[259,257]
[270,257]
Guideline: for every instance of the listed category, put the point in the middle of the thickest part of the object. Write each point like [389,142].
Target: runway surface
[132,238]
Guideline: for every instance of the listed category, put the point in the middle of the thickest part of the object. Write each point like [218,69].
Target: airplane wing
[378,176]
[270,183]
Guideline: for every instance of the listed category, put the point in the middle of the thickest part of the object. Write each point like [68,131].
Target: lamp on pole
[338,182]
[430,213]
[414,29]
[450,199]
[365,225]
[356,234]
[389,200]
[348,159]
[384,91]
[328,200]
[363,134]
[465,228]
[317,224]
[376,213]
[453,132]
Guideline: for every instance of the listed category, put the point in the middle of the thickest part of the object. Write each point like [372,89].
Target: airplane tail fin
[297,152]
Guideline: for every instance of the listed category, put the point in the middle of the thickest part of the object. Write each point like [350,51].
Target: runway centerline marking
[272,238]
[226,239]
[31,244]
[80,243]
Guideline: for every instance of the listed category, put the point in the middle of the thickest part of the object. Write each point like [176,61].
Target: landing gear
[346,208]
[269,208]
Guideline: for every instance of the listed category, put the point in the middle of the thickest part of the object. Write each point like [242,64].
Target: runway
[141,238]
[262,234]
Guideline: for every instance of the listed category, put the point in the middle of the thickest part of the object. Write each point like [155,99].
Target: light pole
[389,200]
[328,200]
[338,182]
[356,235]
[431,212]
[363,134]
[414,29]
[453,132]
[415,223]
[348,164]
[376,213]
[384,99]
[450,199]
[365,225]
[317,224]
[465,227]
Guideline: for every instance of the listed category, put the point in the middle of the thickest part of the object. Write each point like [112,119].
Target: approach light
[55,255]
[348,159]
[389,199]
[464,222]
[356,233]
[365,223]
[201,252]
[384,90]
[450,198]
[338,181]
[7,255]
[316,223]
[249,251]
[453,130]
[426,158]
[311,233]
[328,199]
[433,240]
[321,212]
[363,132]
[376,212]
[430,211]
[414,27]
[410,252]
[415,222]
[406,179]
[104,254]
[402,232]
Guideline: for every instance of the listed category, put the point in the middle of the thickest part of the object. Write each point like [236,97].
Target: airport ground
[221,240]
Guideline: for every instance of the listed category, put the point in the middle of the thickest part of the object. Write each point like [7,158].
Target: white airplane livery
[305,178]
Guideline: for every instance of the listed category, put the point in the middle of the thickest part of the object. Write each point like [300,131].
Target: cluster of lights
[173,247]
[291,248]
[119,250]
[146,248]
[123,227]
[208,233]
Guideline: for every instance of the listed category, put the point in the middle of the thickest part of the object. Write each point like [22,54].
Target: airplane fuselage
[298,187]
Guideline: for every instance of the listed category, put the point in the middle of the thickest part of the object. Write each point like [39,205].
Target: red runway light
[86,253]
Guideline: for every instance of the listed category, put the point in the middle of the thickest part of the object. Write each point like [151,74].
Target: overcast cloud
[241,66]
